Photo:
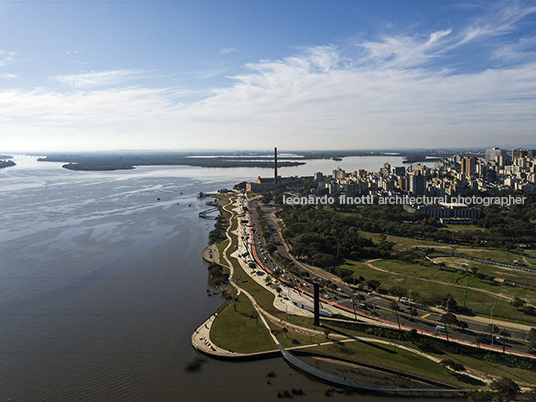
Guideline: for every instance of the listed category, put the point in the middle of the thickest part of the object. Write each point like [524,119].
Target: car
[440,328]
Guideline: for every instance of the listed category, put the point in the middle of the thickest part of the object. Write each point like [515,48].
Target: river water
[102,284]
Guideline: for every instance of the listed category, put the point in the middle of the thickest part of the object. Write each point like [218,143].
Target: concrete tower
[316,320]
[275,166]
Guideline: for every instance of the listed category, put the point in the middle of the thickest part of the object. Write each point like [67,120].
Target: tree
[359,297]
[529,310]
[532,334]
[505,334]
[518,302]
[327,331]
[462,324]
[480,396]
[452,364]
[394,306]
[412,335]
[449,319]
[532,341]
[505,388]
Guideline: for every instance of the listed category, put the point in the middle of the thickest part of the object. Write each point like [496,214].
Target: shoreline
[202,342]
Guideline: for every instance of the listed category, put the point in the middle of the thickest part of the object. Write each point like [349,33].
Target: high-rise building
[417,184]
[399,171]
[492,153]
[469,165]
[338,173]
[318,177]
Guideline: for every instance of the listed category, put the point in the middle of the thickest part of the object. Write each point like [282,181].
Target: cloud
[6,57]
[7,76]
[99,79]
[228,50]
[501,18]
[397,90]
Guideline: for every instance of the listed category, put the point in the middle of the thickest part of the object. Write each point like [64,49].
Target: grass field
[479,302]
[462,228]
[221,246]
[490,269]
[240,330]
[493,369]
[391,357]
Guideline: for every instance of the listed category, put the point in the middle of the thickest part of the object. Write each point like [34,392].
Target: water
[102,285]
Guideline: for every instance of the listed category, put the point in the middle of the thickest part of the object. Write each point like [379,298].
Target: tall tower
[316,293]
[275,166]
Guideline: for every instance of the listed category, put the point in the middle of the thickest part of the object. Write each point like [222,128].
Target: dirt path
[476,318]
[369,264]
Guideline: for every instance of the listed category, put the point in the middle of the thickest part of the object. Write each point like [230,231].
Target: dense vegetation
[325,238]
[129,161]
[326,235]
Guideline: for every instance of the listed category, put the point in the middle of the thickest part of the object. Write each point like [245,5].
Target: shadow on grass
[372,344]
[467,379]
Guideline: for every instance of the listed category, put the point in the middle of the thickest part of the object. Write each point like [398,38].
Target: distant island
[224,159]
[5,164]
[130,161]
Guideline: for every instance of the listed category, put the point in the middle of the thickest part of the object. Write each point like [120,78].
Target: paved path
[201,337]
[211,254]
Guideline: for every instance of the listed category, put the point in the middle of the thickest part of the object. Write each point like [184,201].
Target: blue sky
[248,74]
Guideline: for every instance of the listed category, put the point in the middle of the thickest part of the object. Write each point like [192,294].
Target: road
[374,305]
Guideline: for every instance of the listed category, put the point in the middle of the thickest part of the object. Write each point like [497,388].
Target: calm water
[102,285]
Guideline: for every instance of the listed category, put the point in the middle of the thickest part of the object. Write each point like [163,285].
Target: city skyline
[244,75]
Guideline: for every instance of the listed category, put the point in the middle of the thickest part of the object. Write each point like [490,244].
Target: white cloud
[8,76]
[228,50]
[501,18]
[391,92]
[6,57]
[99,79]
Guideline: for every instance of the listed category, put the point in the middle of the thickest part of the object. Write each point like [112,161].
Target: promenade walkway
[201,339]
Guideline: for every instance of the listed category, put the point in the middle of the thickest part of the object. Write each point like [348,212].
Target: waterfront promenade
[285,299]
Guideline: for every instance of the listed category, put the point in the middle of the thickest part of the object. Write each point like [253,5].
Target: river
[102,284]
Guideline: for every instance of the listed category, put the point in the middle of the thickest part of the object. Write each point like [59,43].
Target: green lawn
[479,302]
[490,269]
[492,368]
[391,357]
[239,330]
[221,246]
[462,228]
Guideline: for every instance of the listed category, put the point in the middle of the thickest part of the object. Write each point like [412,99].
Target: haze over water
[102,285]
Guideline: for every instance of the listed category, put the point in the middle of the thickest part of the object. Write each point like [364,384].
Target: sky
[80,75]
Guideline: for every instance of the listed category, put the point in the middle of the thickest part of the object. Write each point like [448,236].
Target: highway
[373,305]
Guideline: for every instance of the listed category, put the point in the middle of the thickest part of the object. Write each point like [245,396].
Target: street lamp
[491,325]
